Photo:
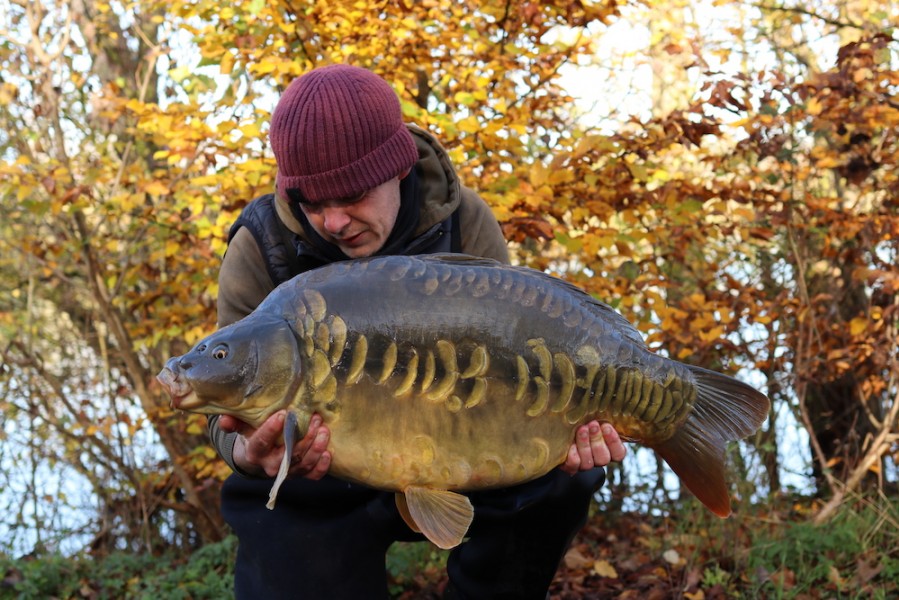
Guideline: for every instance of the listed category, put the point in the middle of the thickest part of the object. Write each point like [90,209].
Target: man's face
[359,226]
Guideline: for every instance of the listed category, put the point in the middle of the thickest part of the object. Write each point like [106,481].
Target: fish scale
[452,374]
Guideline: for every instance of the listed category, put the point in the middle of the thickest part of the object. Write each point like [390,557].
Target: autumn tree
[747,226]
[133,133]
[754,228]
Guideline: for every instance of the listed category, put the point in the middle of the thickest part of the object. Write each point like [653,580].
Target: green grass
[776,551]
[207,573]
[766,551]
[854,555]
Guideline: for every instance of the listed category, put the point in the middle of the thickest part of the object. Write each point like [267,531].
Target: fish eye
[220,352]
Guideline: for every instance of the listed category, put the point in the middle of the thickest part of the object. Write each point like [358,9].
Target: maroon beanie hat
[337,132]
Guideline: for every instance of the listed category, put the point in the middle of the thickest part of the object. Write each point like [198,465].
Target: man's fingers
[308,451]
[302,447]
[265,439]
[227,423]
[617,449]
[584,448]
[321,467]
[310,456]
[599,451]
[573,462]
[230,424]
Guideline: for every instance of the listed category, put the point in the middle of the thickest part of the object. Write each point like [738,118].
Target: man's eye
[310,207]
[352,199]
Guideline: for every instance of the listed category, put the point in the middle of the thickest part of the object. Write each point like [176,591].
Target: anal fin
[442,516]
[404,512]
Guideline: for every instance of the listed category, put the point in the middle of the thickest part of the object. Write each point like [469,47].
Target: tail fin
[725,410]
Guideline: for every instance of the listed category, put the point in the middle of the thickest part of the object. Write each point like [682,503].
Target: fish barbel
[442,374]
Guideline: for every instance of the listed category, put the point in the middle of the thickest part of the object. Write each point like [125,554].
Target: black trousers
[328,539]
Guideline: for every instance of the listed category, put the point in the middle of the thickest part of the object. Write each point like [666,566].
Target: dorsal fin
[442,516]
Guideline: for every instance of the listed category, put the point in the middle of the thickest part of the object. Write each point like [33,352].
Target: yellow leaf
[172,247]
[712,334]
[858,325]
[469,125]
[251,130]
[265,67]
[813,107]
[604,569]
[684,353]
[179,73]
[539,174]
[828,162]
[561,176]
[227,64]
[156,188]
[464,98]
[862,75]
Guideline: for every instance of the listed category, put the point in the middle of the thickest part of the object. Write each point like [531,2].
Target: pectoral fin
[290,436]
[442,516]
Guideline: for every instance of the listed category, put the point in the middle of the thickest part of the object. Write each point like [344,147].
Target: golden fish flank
[454,374]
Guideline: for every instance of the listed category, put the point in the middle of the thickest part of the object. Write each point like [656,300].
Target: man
[354,181]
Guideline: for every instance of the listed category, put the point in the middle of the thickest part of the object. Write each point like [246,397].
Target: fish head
[249,370]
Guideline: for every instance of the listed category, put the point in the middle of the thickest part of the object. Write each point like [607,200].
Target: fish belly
[391,443]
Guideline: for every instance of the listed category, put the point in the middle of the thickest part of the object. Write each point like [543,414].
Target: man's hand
[259,451]
[594,445]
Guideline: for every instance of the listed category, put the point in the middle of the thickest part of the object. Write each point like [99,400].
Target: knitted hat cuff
[391,158]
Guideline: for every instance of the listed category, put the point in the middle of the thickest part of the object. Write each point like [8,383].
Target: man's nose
[335,219]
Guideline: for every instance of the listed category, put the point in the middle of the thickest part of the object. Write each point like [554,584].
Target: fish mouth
[182,394]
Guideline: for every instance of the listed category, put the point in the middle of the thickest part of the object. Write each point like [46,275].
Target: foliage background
[727,180]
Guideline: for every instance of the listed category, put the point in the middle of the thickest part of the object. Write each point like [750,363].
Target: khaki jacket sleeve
[244,281]
[481,233]
[243,284]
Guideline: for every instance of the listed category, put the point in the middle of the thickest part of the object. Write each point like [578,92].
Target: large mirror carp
[443,374]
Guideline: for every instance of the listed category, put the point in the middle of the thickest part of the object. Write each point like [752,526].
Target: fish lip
[183,395]
[186,401]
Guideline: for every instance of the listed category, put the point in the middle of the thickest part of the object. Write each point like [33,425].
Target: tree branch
[808,13]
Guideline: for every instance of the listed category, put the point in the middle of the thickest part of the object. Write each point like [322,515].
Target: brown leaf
[575,559]
[866,570]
